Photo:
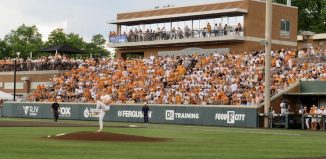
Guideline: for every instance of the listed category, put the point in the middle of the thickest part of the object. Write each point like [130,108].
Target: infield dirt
[106,136]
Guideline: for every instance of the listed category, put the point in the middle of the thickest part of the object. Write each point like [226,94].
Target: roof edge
[240,10]
[221,1]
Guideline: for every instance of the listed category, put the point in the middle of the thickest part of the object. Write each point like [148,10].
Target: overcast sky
[84,17]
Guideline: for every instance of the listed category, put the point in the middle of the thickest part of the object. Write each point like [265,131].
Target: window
[189,24]
[181,24]
[142,27]
[285,28]
[233,22]
[123,29]
[147,27]
[225,20]
[167,26]
[196,28]
[240,20]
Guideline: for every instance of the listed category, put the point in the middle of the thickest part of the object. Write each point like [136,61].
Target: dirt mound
[106,136]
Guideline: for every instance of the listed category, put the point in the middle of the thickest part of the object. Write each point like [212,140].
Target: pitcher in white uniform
[101,108]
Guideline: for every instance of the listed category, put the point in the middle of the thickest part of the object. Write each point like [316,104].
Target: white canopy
[6,96]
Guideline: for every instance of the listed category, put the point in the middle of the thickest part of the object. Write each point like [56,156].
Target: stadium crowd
[55,62]
[177,33]
[233,78]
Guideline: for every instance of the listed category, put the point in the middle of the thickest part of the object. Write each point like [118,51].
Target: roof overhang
[321,36]
[306,94]
[182,16]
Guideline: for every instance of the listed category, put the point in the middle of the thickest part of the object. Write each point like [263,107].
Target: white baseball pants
[101,117]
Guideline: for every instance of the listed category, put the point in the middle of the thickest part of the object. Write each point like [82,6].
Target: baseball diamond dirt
[106,136]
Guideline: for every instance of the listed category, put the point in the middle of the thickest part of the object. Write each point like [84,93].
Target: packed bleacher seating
[56,62]
[234,78]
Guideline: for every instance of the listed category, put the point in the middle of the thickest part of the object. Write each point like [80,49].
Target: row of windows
[197,24]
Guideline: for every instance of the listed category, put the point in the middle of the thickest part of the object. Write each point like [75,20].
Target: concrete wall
[234,47]
[25,79]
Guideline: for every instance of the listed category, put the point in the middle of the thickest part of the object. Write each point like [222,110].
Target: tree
[4,49]
[312,14]
[25,39]
[98,40]
[56,37]
[76,41]
[59,37]
[97,46]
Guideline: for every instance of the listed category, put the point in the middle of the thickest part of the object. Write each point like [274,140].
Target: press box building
[194,35]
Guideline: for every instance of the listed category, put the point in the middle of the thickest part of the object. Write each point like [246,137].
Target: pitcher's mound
[105,136]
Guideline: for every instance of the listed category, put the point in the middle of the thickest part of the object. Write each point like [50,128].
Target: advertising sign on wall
[203,115]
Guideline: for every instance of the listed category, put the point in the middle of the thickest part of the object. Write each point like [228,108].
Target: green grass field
[189,142]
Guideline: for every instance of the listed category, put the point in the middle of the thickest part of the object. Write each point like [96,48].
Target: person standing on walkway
[55,109]
[145,110]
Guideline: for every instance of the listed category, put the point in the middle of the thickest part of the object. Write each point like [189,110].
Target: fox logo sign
[65,112]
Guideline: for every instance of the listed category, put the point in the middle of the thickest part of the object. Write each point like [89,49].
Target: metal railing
[152,36]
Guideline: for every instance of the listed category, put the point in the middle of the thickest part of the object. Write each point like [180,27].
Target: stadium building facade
[236,26]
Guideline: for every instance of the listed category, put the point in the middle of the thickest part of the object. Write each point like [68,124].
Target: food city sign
[230,117]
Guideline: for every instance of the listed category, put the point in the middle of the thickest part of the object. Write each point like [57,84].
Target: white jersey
[101,106]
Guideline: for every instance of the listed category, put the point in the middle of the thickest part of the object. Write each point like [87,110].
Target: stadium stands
[234,78]
[56,62]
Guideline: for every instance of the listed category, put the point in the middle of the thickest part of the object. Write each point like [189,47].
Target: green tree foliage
[76,41]
[312,14]
[97,46]
[24,39]
[4,49]
[98,40]
[56,37]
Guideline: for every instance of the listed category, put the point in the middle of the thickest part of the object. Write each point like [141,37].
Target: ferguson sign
[132,114]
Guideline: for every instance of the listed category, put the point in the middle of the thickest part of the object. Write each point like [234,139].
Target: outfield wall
[231,116]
